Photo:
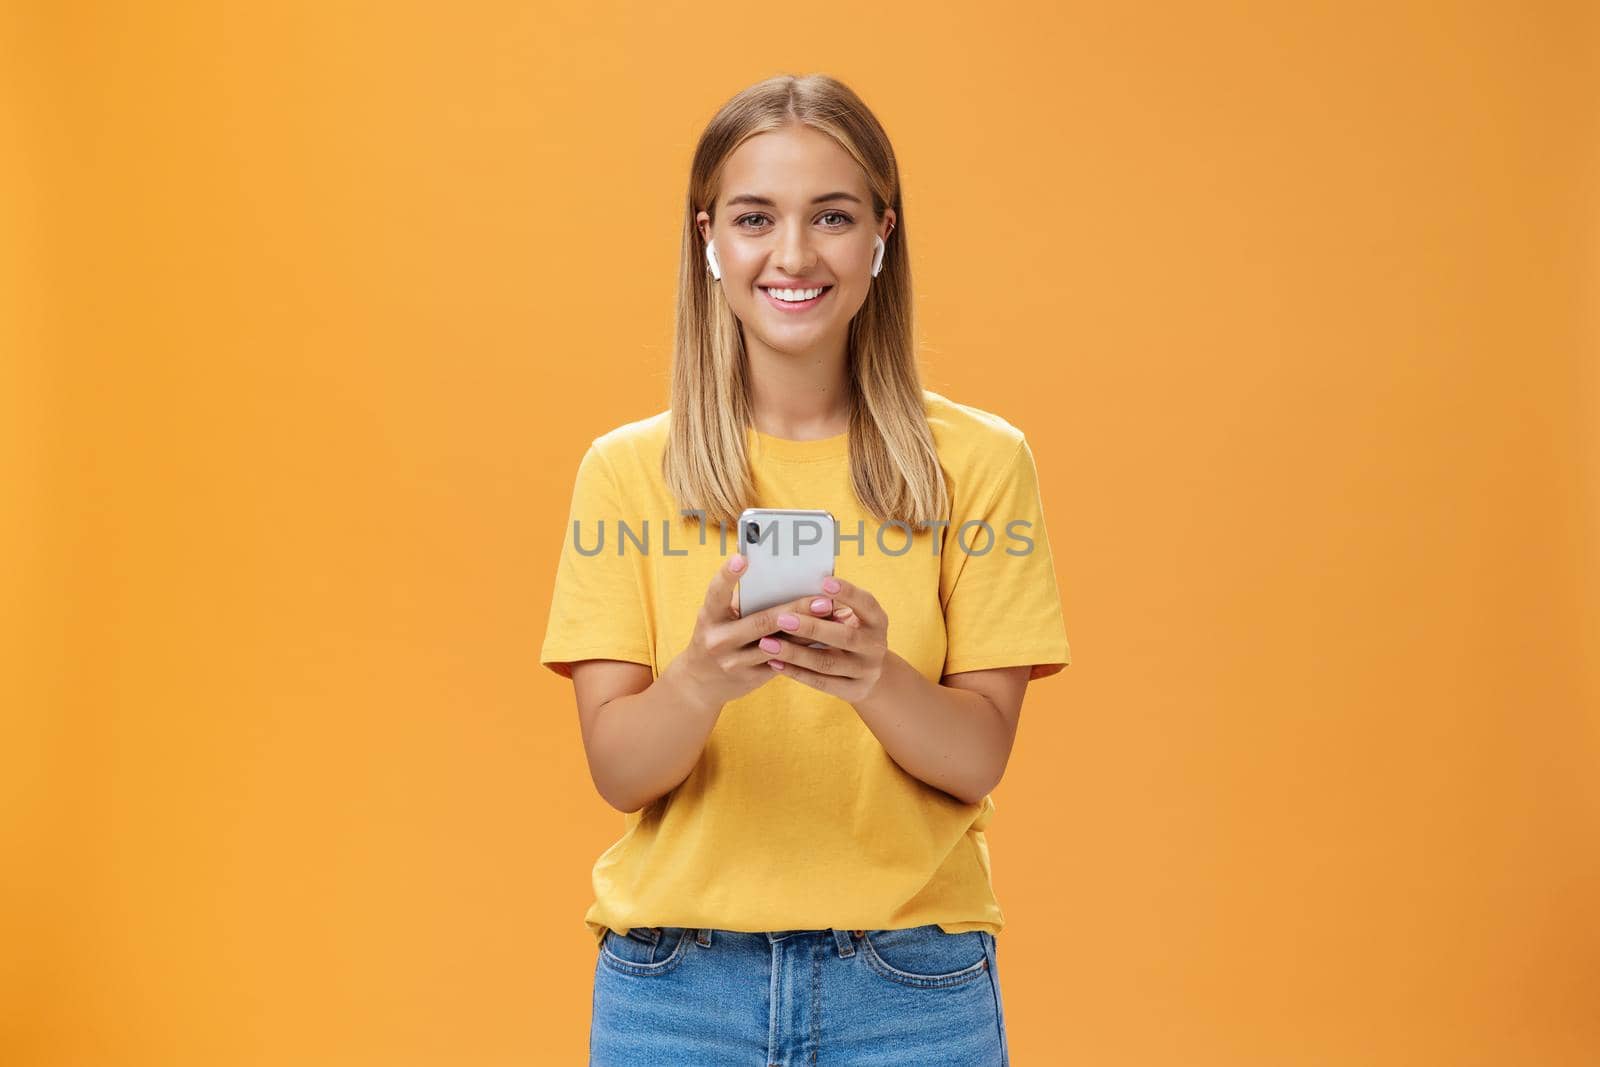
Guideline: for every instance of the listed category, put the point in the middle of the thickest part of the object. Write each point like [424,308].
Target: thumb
[722,599]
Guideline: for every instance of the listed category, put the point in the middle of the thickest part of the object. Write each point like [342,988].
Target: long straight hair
[894,466]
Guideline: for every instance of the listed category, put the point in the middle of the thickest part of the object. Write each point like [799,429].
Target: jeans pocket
[645,950]
[925,956]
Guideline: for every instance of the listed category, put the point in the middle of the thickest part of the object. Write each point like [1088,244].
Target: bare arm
[955,736]
[641,737]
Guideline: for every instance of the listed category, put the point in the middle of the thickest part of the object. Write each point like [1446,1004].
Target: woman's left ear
[878,247]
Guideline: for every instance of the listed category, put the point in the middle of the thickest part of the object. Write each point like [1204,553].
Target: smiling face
[794,213]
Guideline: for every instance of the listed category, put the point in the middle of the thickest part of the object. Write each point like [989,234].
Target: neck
[799,395]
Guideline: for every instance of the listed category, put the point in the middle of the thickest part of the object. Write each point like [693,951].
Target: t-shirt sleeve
[596,608]
[1003,608]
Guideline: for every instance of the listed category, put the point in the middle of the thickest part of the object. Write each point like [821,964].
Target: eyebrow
[751,198]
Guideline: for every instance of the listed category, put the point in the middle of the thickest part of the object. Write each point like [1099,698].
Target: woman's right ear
[703,221]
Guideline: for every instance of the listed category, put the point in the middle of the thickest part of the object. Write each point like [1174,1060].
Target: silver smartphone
[788,552]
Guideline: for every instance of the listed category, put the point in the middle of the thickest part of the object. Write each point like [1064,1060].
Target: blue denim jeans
[666,996]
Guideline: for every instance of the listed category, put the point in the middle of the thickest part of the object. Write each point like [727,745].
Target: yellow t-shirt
[795,816]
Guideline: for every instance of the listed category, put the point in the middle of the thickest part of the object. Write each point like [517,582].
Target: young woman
[803,875]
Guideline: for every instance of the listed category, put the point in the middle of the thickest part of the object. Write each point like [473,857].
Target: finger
[837,634]
[756,657]
[825,683]
[820,605]
[720,603]
[830,661]
[747,657]
[754,626]
[864,603]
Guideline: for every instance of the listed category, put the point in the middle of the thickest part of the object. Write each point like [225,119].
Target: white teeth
[795,294]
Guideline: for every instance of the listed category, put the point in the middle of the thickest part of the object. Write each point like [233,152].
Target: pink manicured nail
[775,664]
[820,605]
[787,621]
[737,564]
[830,585]
[771,644]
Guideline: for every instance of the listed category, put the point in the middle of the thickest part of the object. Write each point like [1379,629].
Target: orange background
[311,310]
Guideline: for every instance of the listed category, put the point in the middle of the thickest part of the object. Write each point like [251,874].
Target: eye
[845,220]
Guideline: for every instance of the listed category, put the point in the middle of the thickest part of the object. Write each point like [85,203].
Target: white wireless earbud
[877,255]
[711,261]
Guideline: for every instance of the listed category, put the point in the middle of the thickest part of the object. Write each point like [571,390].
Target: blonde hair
[894,466]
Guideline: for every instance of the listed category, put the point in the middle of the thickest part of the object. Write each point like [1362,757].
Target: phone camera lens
[751,532]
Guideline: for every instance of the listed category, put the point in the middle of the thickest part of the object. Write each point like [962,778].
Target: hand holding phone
[723,660]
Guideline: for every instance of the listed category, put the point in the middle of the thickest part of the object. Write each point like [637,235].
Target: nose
[793,254]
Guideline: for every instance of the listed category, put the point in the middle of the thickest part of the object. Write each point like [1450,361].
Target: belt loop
[841,941]
[703,937]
